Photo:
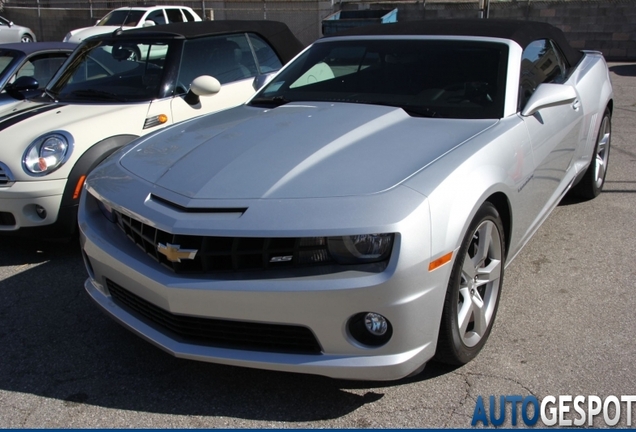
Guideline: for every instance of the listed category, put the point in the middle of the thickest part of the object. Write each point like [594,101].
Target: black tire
[26,38]
[457,345]
[593,180]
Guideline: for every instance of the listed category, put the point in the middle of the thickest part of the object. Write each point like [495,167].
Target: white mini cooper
[113,89]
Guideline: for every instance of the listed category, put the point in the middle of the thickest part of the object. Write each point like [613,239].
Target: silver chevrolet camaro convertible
[355,217]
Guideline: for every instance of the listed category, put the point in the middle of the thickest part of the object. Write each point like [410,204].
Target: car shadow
[57,344]
[624,70]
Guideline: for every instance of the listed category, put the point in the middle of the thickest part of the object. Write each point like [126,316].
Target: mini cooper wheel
[594,178]
[474,288]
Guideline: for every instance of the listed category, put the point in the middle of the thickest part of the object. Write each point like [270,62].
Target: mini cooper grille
[222,333]
[6,179]
[226,254]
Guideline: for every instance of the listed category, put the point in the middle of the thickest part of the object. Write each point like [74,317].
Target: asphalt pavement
[565,327]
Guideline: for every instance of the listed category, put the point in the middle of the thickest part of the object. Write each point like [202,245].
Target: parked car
[355,217]
[126,18]
[32,64]
[10,32]
[113,89]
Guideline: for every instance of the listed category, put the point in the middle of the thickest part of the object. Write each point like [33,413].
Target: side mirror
[149,23]
[22,84]
[203,85]
[548,95]
[10,23]
[261,80]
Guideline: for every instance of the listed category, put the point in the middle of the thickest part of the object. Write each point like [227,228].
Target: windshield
[129,18]
[431,78]
[104,71]
[6,60]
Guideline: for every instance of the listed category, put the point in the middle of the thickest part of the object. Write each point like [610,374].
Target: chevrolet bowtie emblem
[174,253]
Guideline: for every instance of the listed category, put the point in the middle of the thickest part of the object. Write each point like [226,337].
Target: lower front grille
[7,219]
[221,333]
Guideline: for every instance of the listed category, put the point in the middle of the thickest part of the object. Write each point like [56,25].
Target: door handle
[576,105]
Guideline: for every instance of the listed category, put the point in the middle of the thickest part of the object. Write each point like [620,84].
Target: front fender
[496,163]
[87,162]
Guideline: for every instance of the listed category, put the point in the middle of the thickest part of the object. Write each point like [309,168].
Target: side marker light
[440,261]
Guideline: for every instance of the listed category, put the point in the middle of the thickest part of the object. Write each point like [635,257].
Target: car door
[229,59]
[554,131]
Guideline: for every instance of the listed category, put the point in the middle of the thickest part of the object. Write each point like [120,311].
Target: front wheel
[593,180]
[26,38]
[473,291]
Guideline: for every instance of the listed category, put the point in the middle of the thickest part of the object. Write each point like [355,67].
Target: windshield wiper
[100,94]
[269,102]
[412,110]
[419,111]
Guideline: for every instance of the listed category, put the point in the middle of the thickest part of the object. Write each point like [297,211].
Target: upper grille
[227,254]
[222,333]
[6,178]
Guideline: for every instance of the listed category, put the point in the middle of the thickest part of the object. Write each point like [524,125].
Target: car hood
[26,119]
[295,151]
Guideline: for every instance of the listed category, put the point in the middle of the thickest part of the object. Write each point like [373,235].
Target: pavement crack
[512,380]
[464,399]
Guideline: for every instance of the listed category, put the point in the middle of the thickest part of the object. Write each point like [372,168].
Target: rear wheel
[594,178]
[474,288]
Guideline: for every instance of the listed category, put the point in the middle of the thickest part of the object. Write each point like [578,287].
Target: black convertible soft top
[522,32]
[278,34]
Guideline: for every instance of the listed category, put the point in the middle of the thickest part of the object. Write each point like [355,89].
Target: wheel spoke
[485,236]
[602,144]
[468,268]
[465,311]
[479,313]
[489,273]
[600,168]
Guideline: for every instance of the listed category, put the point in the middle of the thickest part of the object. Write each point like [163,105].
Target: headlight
[47,153]
[360,249]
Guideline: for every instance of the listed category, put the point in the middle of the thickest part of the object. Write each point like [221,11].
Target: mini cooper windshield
[105,71]
[427,78]
[7,58]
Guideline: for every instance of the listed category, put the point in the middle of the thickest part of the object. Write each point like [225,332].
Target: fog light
[370,329]
[375,323]
[40,211]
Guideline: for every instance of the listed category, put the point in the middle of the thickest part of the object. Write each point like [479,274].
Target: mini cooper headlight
[358,249]
[47,153]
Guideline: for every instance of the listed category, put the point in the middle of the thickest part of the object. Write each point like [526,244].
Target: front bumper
[405,293]
[21,200]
